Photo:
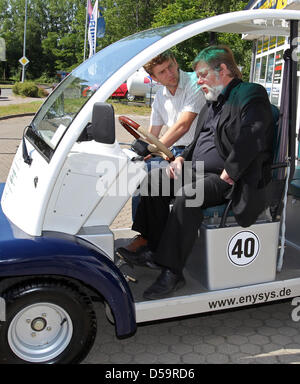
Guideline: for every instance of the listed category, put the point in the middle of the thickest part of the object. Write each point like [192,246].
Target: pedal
[122,261]
[130,279]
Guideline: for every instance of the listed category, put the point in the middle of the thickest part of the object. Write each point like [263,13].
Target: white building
[267,61]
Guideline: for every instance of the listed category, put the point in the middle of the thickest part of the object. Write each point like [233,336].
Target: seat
[226,255]
[223,211]
[216,211]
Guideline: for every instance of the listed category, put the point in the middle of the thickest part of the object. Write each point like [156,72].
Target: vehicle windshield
[61,107]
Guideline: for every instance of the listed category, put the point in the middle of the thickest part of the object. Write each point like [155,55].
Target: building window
[270,68]
[263,69]
[257,70]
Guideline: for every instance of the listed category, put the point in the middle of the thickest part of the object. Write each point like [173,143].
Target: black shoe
[143,257]
[166,283]
[136,244]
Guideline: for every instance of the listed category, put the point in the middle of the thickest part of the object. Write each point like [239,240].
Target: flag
[89,9]
[101,24]
[92,33]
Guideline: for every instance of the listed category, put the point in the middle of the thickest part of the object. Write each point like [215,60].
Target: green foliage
[46,79]
[55,34]
[28,89]
[42,92]
[183,10]
[16,88]
[56,30]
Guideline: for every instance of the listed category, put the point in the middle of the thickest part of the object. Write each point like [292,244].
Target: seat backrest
[277,133]
[280,151]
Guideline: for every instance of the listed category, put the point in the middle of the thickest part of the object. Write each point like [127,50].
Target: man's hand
[224,176]
[175,168]
[140,147]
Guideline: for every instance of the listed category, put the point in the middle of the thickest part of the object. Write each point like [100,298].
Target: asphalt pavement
[264,334]
[7,97]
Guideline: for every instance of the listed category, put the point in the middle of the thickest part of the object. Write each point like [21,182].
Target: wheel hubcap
[40,332]
[38,324]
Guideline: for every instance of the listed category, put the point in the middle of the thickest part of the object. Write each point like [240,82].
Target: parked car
[122,92]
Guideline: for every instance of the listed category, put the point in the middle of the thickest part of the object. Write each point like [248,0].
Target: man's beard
[213,92]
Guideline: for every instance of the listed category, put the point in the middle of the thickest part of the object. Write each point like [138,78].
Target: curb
[19,115]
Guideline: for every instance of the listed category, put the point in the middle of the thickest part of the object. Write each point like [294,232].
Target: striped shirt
[166,108]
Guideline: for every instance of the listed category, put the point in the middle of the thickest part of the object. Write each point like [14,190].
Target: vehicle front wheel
[129,96]
[47,321]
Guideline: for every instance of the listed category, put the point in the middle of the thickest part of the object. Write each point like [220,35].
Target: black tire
[129,96]
[52,313]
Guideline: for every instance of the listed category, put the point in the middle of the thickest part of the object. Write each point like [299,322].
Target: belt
[179,146]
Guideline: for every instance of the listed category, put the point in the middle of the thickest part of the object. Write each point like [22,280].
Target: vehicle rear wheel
[47,321]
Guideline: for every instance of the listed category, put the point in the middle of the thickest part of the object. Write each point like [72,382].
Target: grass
[18,109]
[121,108]
[6,86]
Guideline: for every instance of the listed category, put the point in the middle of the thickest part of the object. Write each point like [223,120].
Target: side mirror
[103,123]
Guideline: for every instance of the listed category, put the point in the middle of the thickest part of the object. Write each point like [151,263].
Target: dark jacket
[244,138]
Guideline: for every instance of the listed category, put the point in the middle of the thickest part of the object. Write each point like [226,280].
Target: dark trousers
[171,234]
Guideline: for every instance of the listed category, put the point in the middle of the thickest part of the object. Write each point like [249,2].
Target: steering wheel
[137,131]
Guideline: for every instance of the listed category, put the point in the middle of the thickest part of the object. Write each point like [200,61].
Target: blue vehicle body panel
[68,256]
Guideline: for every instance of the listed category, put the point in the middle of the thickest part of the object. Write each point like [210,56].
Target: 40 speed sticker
[243,248]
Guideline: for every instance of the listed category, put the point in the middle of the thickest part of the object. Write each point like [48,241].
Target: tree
[56,29]
[184,10]
[46,19]
[126,17]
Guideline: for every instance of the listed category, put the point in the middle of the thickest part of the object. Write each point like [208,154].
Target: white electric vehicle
[69,180]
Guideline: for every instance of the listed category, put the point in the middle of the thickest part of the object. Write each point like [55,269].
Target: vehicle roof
[255,22]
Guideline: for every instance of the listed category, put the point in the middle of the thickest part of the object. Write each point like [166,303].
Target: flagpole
[85,31]
[96,25]
[24,41]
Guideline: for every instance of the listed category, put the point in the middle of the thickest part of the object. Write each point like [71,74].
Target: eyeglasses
[203,73]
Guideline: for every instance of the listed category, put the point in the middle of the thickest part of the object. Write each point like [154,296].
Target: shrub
[28,89]
[42,92]
[16,88]
[46,79]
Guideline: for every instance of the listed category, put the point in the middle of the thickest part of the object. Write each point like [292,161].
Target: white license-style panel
[217,300]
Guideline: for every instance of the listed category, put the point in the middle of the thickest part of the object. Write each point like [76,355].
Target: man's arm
[155,130]
[181,126]
[252,138]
